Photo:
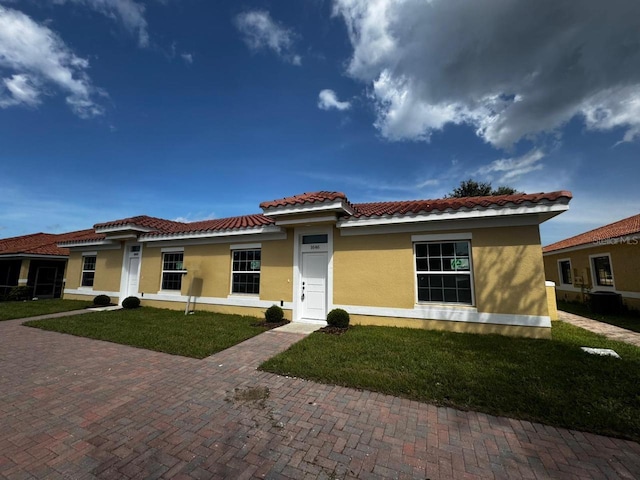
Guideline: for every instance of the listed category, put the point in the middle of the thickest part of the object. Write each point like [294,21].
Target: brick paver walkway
[609,331]
[75,408]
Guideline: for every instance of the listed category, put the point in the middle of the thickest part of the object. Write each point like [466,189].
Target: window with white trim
[172,270]
[565,272]
[602,272]
[245,271]
[88,270]
[443,271]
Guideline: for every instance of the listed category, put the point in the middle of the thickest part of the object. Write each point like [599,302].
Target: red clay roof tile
[312,197]
[144,221]
[41,243]
[379,209]
[626,226]
[219,224]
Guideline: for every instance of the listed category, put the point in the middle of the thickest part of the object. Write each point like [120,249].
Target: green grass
[11,310]
[198,335]
[628,320]
[548,381]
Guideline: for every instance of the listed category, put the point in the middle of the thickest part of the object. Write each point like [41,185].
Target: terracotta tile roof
[627,226]
[159,224]
[218,224]
[379,209]
[41,243]
[312,197]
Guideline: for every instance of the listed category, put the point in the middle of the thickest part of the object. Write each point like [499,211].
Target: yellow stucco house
[606,259]
[462,264]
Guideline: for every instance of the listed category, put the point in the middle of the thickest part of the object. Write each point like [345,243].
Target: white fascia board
[442,225]
[205,238]
[210,235]
[124,228]
[304,221]
[27,255]
[450,314]
[335,205]
[105,244]
[542,212]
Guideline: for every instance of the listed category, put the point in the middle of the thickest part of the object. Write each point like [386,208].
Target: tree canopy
[472,188]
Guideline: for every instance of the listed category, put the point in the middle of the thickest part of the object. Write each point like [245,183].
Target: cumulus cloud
[512,70]
[187,57]
[38,59]
[129,13]
[510,169]
[260,32]
[327,99]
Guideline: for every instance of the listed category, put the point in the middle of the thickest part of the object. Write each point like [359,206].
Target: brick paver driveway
[78,408]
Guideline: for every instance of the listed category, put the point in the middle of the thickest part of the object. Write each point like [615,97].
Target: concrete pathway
[75,408]
[609,331]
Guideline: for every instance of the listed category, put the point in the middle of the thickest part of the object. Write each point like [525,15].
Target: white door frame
[297,267]
[124,277]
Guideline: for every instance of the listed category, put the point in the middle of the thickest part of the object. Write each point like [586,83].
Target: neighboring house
[36,261]
[606,259]
[463,264]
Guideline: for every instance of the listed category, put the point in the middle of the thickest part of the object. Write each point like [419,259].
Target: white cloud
[260,32]
[38,59]
[512,70]
[21,90]
[327,100]
[129,13]
[511,169]
[187,57]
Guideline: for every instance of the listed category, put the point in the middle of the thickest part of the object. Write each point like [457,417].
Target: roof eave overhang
[339,206]
[628,239]
[129,227]
[8,256]
[541,212]
[86,243]
[211,234]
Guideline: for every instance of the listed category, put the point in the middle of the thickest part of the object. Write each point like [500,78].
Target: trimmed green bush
[274,314]
[102,300]
[20,292]
[131,302]
[338,318]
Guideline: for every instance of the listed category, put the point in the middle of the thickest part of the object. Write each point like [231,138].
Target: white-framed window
[172,270]
[88,270]
[245,271]
[565,272]
[444,272]
[602,271]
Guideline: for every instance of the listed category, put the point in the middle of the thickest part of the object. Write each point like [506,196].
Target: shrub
[20,292]
[274,314]
[131,302]
[338,318]
[102,300]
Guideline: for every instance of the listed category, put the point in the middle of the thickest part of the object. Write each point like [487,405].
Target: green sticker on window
[255,264]
[459,264]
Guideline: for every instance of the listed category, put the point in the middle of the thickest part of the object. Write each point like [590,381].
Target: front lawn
[548,381]
[629,320]
[33,308]
[198,335]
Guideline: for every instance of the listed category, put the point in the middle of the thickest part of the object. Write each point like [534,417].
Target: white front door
[134,277]
[314,286]
[130,279]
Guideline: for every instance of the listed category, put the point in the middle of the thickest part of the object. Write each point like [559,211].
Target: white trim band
[450,314]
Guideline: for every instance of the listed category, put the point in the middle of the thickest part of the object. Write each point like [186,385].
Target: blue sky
[194,109]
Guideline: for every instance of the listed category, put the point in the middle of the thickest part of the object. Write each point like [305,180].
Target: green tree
[472,188]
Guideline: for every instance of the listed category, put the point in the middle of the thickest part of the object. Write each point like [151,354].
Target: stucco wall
[209,268]
[108,270]
[508,273]
[625,263]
